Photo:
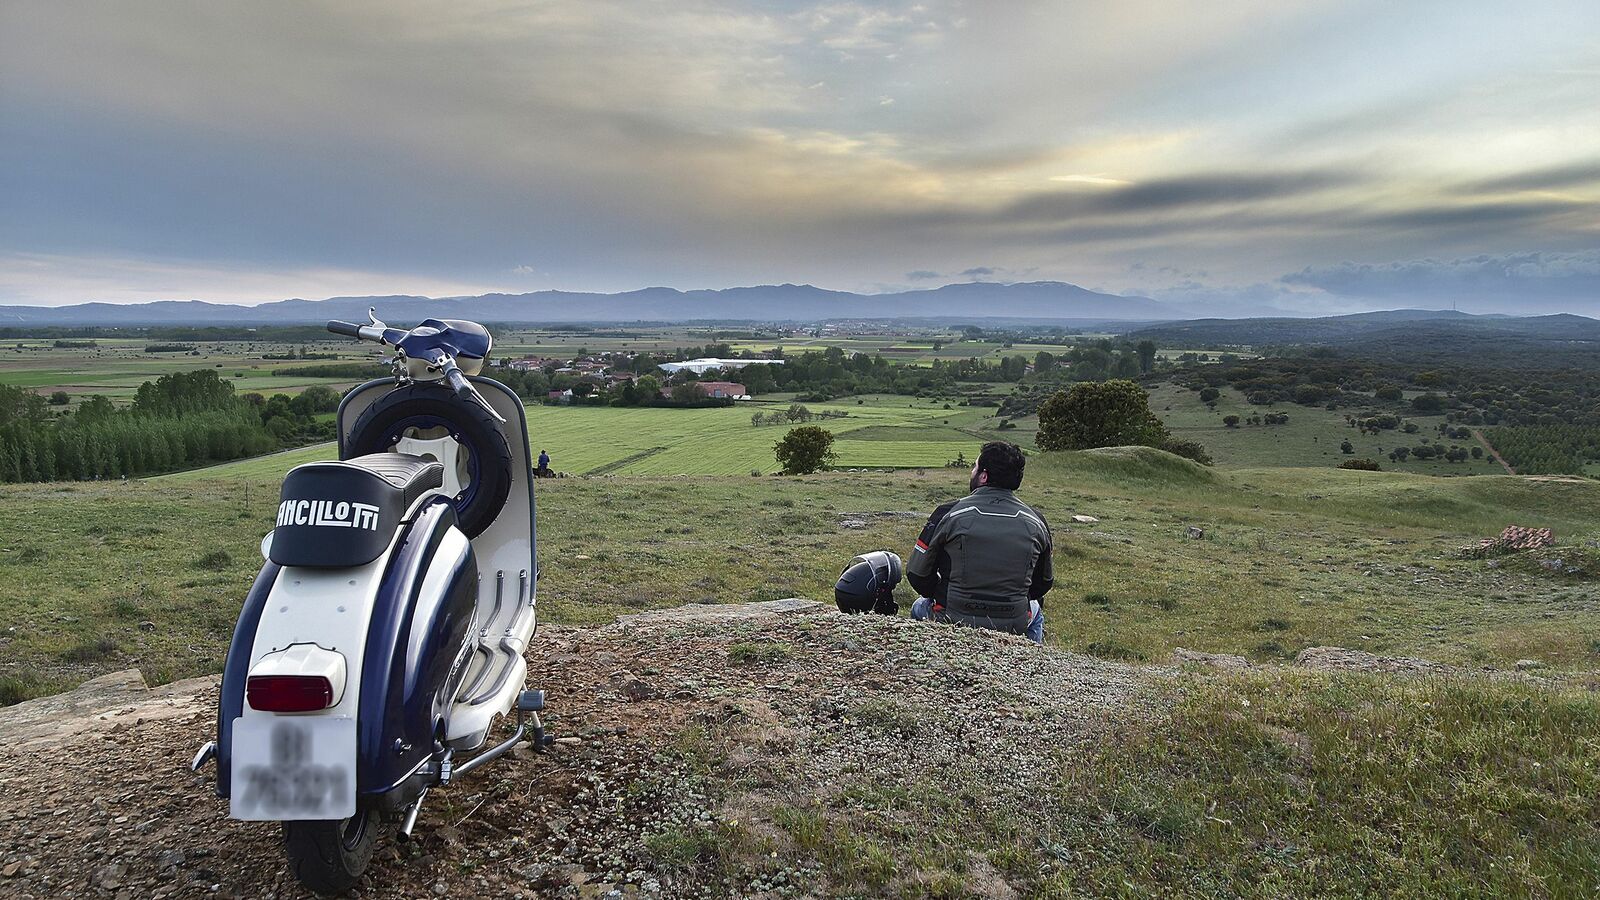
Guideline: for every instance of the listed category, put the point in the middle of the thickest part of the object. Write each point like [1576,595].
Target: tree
[1477,453]
[687,392]
[1147,356]
[1389,393]
[1427,403]
[806,449]
[1230,421]
[1209,395]
[1347,447]
[60,398]
[1099,414]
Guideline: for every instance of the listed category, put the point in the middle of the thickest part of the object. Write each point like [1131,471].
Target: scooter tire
[330,857]
[374,433]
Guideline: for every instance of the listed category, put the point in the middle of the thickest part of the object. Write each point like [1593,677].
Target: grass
[1297,784]
[1312,436]
[719,441]
[1361,560]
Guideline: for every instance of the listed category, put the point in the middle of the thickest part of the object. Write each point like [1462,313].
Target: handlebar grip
[458,380]
[348,329]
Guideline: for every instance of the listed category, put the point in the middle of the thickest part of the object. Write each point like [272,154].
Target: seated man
[984,560]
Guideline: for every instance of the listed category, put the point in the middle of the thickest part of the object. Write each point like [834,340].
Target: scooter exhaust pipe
[411,818]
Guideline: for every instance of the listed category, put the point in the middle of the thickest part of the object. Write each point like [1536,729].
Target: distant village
[612,370]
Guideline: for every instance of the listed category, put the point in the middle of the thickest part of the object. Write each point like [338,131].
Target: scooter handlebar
[348,329]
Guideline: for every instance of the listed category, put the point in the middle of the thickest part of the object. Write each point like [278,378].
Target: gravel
[658,732]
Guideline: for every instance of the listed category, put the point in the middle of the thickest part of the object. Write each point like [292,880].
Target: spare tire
[432,410]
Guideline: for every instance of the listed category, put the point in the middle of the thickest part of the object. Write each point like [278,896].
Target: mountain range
[783,302]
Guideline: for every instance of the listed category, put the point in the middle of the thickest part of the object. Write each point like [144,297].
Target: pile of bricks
[1514,539]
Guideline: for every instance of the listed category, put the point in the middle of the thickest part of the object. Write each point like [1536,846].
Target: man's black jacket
[981,558]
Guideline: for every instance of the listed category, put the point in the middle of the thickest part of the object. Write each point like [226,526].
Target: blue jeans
[922,611]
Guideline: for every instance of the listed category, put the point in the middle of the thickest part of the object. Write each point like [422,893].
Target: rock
[1361,661]
[1195,533]
[636,690]
[1223,662]
[1084,520]
[170,858]
[852,523]
[109,876]
[147,626]
[1524,665]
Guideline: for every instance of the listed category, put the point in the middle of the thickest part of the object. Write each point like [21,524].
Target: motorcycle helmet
[867,584]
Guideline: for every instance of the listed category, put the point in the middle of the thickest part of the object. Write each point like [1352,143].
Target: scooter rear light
[288,693]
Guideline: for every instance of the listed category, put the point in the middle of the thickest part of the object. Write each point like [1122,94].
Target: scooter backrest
[340,514]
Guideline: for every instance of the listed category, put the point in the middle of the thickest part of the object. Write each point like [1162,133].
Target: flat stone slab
[100,704]
[726,612]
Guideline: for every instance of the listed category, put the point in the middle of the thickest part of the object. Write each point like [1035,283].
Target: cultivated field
[115,367]
[899,432]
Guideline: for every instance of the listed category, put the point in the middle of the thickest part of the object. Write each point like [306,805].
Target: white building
[705,364]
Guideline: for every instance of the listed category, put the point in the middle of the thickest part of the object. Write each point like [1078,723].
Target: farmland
[115,367]
[719,441]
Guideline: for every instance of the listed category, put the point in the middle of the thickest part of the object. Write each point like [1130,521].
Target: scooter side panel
[236,669]
[417,647]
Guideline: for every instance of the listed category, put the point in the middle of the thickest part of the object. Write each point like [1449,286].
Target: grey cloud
[1472,215]
[921,275]
[1204,189]
[979,271]
[1533,279]
[1556,177]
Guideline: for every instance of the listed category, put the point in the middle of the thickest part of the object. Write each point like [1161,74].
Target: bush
[1361,464]
[1104,414]
[1188,450]
[60,398]
[806,449]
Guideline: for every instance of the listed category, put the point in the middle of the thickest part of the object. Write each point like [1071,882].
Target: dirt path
[1493,452]
[710,723]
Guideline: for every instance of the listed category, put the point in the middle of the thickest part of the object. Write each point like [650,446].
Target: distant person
[984,560]
[544,464]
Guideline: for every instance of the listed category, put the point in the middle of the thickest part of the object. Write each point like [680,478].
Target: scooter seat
[336,514]
[411,475]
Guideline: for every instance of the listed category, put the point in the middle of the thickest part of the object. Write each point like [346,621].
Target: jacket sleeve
[929,570]
[1044,573]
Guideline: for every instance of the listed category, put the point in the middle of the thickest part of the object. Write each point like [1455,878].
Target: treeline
[1465,394]
[177,421]
[1547,449]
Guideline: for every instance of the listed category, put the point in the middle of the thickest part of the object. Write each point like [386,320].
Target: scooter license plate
[293,767]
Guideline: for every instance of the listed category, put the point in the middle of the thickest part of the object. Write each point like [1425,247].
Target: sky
[1226,157]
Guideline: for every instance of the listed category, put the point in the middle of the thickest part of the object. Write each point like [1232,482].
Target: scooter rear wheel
[329,857]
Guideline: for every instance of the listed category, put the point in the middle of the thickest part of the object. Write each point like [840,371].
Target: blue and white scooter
[384,635]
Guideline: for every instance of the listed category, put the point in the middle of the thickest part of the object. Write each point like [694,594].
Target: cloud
[1576,174]
[921,275]
[979,272]
[1534,280]
[1099,180]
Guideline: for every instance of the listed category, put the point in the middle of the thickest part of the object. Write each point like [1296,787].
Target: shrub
[1099,414]
[1188,450]
[806,449]
[1361,464]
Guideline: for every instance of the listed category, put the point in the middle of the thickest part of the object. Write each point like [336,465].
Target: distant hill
[782,302]
[1367,327]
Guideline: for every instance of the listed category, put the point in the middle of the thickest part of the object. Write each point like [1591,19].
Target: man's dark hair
[1003,461]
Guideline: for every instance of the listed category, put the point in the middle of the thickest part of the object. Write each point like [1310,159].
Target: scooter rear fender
[418,643]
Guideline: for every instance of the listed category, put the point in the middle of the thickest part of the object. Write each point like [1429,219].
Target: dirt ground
[684,739]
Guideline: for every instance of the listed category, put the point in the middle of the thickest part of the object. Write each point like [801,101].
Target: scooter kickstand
[411,817]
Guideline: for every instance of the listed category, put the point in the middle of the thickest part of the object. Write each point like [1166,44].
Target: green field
[1311,437]
[1291,557]
[607,440]
[116,367]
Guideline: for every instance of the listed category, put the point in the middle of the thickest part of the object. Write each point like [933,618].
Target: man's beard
[973,483]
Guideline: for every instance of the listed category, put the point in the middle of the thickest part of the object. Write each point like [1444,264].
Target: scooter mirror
[266,546]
